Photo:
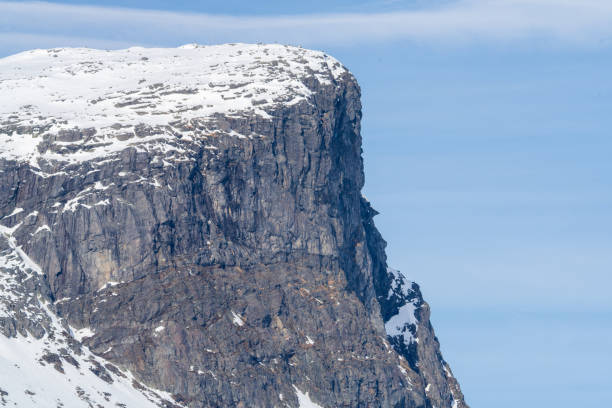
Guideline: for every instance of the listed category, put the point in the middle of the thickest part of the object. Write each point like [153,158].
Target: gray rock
[229,269]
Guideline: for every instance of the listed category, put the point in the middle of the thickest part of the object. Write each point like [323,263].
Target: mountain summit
[185,227]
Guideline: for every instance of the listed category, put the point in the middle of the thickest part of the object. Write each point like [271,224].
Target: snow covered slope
[113,92]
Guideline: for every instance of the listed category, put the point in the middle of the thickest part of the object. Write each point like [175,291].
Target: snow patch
[83,333]
[15,212]
[109,284]
[41,229]
[100,186]
[103,202]
[304,400]
[447,371]
[236,319]
[398,323]
[405,320]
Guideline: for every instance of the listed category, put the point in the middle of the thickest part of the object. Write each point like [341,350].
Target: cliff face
[196,212]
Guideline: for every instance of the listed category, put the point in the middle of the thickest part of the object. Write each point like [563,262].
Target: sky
[487,152]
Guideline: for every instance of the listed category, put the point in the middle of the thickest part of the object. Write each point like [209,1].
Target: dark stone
[246,265]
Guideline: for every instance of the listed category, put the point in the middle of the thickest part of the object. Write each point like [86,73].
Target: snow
[8,231]
[72,204]
[99,186]
[103,202]
[449,375]
[405,319]
[83,333]
[29,264]
[39,373]
[447,371]
[15,212]
[26,262]
[236,319]
[405,316]
[49,91]
[304,400]
[109,284]
[41,229]
[20,370]
[159,329]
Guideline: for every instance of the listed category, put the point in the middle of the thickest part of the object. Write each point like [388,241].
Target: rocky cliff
[192,220]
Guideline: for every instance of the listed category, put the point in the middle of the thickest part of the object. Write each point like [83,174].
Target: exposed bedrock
[230,259]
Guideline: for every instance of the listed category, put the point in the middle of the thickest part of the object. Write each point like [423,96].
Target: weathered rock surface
[42,362]
[199,212]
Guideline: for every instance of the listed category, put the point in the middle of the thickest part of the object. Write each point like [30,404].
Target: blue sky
[487,150]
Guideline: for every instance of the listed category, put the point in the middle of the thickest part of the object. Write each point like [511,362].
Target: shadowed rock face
[228,259]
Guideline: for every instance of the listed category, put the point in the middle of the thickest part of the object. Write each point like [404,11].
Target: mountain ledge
[196,219]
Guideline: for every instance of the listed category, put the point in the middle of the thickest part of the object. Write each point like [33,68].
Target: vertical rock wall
[235,266]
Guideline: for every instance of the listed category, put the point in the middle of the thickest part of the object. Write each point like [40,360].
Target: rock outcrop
[196,212]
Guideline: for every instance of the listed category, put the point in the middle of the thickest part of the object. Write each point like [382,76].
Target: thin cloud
[20,40]
[586,22]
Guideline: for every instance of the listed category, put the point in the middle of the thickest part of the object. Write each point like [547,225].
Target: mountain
[185,227]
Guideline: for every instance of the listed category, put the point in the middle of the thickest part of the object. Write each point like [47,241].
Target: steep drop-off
[193,218]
